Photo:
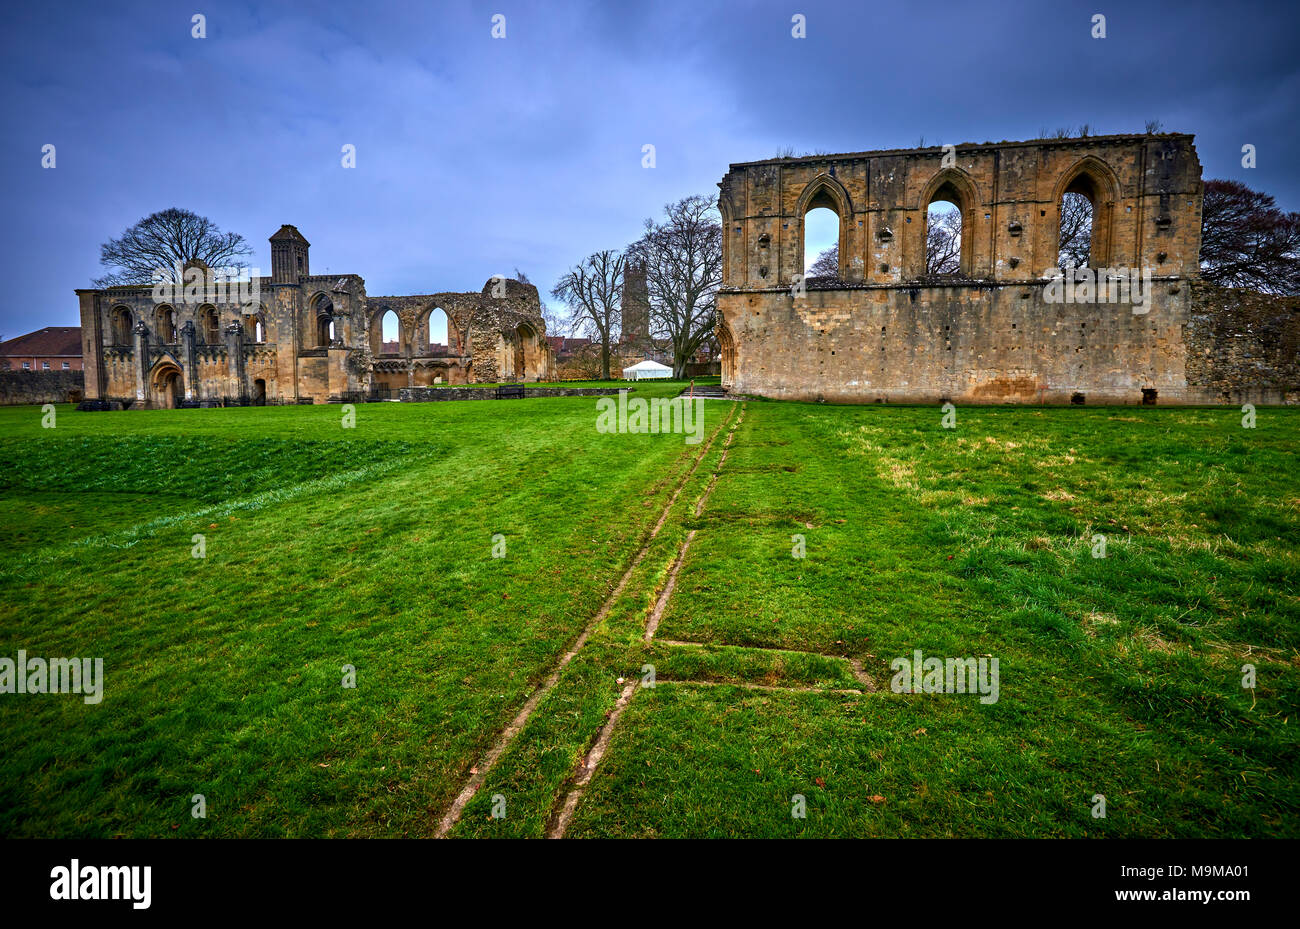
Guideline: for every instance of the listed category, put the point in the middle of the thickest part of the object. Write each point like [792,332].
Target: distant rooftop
[51,341]
[290,233]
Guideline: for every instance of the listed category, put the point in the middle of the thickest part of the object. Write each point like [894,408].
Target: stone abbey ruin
[998,330]
[1135,326]
[310,338]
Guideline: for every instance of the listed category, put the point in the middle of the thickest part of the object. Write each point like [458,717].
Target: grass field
[373,547]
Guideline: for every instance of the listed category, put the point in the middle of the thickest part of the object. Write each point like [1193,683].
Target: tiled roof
[291,233]
[52,340]
[562,344]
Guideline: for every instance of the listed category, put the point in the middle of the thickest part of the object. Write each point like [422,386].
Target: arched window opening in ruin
[209,325]
[164,319]
[254,329]
[122,323]
[821,245]
[525,349]
[1075,250]
[726,352]
[439,334]
[943,253]
[390,332]
[1086,200]
[323,308]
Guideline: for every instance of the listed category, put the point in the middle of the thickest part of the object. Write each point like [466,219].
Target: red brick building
[54,348]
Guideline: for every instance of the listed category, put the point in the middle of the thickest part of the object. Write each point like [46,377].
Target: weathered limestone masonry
[308,338]
[991,333]
[495,335]
[17,387]
[1242,346]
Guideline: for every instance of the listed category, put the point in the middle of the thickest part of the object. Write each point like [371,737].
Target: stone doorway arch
[165,386]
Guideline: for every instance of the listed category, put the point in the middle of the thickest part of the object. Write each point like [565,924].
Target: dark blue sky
[477,155]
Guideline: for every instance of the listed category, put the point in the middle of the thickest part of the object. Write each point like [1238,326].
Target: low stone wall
[425,394]
[1242,346]
[17,387]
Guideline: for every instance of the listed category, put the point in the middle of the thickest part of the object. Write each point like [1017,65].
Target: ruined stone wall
[214,352]
[18,387]
[497,334]
[967,344]
[119,367]
[990,333]
[1242,346]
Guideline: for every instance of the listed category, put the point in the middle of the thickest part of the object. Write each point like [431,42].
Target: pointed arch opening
[726,351]
[1085,202]
[255,325]
[390,333]
[1074,231]
[821,248]
[943,238]
[322,315]
[946,246]
[526,353]
[824,211]
[438,334]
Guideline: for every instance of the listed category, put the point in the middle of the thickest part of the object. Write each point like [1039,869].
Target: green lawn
[373,547]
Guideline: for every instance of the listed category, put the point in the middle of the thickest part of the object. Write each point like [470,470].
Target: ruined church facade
[307,338]
[1007,327]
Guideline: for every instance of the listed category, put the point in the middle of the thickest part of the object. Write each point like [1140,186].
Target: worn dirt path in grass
[564,811]
[479,773]
[567,805]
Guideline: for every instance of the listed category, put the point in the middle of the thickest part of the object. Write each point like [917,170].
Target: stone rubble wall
[1242,346]
[19,387]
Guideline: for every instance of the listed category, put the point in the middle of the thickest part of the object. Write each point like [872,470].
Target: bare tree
[683,262]
[1246,241]
[593,291]
[942,251]
[586,364]
[1076,232]
[826,268]
[943,243]
[165,239]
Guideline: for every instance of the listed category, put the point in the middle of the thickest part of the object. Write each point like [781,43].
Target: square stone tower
[289,262]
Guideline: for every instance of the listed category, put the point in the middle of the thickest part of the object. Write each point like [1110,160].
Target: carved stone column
[235,358]
[189,362]
[140,340]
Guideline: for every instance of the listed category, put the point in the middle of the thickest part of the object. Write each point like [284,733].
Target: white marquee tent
[646,370]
